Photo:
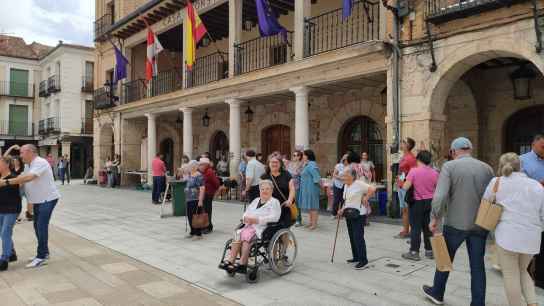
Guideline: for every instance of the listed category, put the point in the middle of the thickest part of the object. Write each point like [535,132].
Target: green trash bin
[179,205]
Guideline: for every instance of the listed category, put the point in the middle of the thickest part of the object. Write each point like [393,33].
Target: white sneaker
[36,263]
[31,259]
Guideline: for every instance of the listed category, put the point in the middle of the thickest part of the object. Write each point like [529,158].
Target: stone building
[327,87]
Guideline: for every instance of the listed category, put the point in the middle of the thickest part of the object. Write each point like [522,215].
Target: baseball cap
[461,143]
[204,160]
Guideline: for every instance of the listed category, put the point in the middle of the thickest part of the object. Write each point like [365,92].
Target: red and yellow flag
[194,31]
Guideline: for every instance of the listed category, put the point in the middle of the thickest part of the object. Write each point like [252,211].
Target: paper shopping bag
[440,252]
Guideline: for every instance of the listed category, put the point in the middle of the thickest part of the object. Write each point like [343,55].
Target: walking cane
[336,235]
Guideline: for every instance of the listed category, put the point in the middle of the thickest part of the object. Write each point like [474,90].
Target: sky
[48,21]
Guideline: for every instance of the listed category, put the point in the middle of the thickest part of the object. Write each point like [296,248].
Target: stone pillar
[151,144]
[66,148]
[234,135]
[187,131]
[235,31]
[302,118]
[303,9]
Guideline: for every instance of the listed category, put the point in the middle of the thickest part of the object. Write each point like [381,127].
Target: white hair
[266,182]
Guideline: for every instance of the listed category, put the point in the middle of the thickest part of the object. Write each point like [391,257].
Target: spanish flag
[194,31]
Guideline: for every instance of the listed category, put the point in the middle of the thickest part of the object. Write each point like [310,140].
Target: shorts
[402,194]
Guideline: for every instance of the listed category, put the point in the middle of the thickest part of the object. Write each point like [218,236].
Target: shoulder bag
[490,211]
[349,212]
[293,207]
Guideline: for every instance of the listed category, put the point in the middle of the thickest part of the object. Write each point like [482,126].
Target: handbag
[293,207]
[441,255]
[490,211]
[200,219]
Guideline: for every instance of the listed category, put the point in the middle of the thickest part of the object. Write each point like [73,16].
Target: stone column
[235,31]
[151,144]
[234,135]
[303,9]
[302,118]
[187,131]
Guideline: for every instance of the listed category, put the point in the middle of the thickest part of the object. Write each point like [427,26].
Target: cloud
[48,21]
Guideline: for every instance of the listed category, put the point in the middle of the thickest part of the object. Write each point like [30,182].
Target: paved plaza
[126,222]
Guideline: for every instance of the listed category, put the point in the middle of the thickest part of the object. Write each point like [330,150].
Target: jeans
[110,179]
[62,174]
[191,210]
[297,202]
[42,215]
[356,232]
[159,184]
[402,194]
[475,241]
[7,221]
[208,201]
[420,216]
[338,193]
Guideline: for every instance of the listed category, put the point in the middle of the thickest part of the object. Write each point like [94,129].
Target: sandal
[225,264]
[240,268]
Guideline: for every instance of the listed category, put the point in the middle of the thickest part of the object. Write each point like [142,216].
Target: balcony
[53,84]
[87,126]
[43,89]
[441,11]
[165,82]
[329,31]
[87,84]
[102,25]
[262,52]
[134,90]
[14,89]
[42,127]
[53,125]
[103,99]
[207,69]
[15,128]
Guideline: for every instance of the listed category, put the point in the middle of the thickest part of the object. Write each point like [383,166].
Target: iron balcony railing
[87,84]
[42,127]
[134,90]
[103,98]
[440,11]
[329,31]
[53,125]
[16,128]
[53,84]
[164,82]
[102,25]
[262,52]
[207,69]
[87,125]
[43,89]
[15,89]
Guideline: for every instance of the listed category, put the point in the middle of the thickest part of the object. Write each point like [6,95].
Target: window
[18,85]
[18,120]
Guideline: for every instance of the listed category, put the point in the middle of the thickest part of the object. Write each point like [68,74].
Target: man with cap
[211,184]
[460,188]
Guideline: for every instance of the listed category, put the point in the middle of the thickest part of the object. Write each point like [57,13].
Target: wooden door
[522,127]
[18,120]
[276,138]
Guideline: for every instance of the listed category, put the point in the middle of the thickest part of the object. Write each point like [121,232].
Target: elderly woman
[356,195]
[310,188]
[263,210]
[518,234]
[194,195]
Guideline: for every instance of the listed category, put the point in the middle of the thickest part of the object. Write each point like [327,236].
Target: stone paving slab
[125,221]
[83,273]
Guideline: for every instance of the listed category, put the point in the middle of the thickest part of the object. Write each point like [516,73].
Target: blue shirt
[533,166]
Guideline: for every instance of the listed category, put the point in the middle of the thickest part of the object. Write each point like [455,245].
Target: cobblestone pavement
[83,273]
[125,221]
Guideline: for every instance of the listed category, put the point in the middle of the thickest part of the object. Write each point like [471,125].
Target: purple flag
[268,22]
[120,65]
[346,9]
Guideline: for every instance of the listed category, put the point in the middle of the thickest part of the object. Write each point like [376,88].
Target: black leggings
[191,210]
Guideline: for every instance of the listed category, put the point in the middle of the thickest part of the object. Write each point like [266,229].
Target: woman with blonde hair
[518,232]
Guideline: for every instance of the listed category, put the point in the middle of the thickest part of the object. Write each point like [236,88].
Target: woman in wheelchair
[263,210]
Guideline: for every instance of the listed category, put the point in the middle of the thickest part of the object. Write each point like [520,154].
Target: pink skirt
[247,233]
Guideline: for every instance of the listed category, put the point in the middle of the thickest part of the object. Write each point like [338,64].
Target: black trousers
[208,200]
[420,216]
[337,193]
[192,207]
[253,193]
[356,232]
[540,265]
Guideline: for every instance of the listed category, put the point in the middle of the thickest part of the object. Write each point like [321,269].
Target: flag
[154,47]
[346,9]
[120,65]
[194,31]
[268,22]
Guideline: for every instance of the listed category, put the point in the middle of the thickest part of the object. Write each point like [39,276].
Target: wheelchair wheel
[282,251]
[253,275]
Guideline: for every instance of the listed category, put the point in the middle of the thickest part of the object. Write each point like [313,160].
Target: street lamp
[249,114]
[522,79]
[206,119]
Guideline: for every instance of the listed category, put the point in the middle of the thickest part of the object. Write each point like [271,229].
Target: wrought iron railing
[102,25]
[134,90]
[43,89]
[53,125]
[53,84]
[103,98]
[87,125]
[263,52]
[207,69]
[438,11]
[166,82]
[16,89]
[16,128]
[42,127]
[87,84]
[329,31]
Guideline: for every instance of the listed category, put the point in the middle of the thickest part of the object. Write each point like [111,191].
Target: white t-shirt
[254,170]
[353,196]
[42,188]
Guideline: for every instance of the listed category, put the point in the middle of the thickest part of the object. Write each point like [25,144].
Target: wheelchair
[276,248]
